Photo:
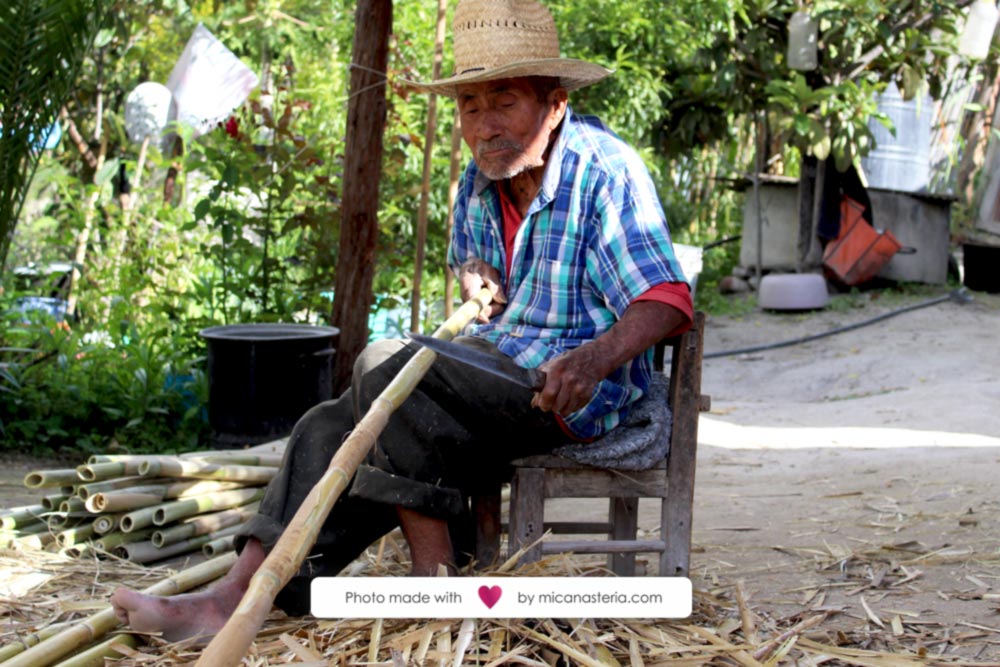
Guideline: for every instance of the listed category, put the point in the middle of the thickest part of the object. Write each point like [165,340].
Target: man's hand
[476,274]
[570,378]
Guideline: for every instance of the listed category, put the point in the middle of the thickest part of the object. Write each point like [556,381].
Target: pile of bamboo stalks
[142,508]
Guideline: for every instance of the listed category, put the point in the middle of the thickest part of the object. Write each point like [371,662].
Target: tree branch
[868,57]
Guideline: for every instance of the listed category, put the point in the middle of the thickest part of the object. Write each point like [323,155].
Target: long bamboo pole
[231,644]
[118,500]
[201,470]
[24,642]
[97,625]
[94,656]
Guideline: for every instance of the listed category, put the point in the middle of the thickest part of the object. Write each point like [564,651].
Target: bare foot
[200,614]
[179,617]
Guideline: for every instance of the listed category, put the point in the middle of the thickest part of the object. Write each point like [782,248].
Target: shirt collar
[553,167]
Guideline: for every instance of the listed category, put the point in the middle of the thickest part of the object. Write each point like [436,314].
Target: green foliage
[863,45]
[252,232]
[44,44]
[74,391]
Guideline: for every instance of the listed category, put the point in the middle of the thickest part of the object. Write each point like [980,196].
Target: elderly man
[559,218]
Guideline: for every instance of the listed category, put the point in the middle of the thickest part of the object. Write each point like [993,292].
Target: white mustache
[496,145]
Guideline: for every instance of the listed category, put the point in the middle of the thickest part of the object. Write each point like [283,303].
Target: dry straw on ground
[724,630]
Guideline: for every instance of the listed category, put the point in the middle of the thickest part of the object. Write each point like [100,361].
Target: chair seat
[638,443]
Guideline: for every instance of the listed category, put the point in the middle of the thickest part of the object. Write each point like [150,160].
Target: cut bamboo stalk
[186,468]
[219,546]
[73,536]
[121,502]
[97,472]
[231,643]
[86,490]
[136,519]
[121,458]
[147,552]
[266,460]
[204,524]
[51,502]
[106,523]
[25,642]
[118,500]
[63,520]
[77,550]
[233,457]
[95,655]
[97,625]
[36,541]
[8,538]
[166,512]
[17,517]
[180,509]
[38,479]
[33,529]
[111,541]
[73,504]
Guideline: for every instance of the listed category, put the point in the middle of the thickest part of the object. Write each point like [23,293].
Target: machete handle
[537,379]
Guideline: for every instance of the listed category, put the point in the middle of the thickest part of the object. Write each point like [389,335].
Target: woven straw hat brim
[572,74]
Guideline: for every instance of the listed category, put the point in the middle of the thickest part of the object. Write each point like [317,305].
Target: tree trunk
[362,168]
[809,191]
[425,187]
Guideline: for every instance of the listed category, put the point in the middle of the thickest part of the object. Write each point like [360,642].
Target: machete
[531,378]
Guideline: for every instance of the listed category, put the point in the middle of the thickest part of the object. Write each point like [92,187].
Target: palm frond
[44,46]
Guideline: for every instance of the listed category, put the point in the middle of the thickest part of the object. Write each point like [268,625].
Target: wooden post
[362,170]
[418,270]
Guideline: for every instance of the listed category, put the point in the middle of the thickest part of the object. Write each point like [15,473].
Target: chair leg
[623,515]
[527,512]
[486,510]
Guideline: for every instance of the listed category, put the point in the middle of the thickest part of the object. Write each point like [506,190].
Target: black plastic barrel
[263,377]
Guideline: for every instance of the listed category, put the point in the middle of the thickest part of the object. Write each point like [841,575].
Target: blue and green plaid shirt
[594,239]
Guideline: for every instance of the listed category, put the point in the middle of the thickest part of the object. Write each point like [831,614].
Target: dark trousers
[457,432]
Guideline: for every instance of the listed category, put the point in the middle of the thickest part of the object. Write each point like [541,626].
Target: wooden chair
[671,480]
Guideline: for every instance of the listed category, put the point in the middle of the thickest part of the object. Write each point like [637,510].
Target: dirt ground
[858,473]
[854,476]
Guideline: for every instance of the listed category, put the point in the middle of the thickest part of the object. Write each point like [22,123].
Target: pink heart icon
[490,595]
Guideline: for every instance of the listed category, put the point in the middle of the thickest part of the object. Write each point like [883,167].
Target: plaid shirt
[594,239]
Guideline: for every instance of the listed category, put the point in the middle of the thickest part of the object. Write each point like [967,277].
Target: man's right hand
[476,274]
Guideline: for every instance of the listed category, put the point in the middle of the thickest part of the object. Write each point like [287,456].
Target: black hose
[959,296]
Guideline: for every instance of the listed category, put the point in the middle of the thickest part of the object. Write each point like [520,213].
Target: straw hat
[501,39]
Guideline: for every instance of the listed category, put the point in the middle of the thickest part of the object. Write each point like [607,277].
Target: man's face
[506,126]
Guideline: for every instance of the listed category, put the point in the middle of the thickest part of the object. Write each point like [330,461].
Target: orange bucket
[860,252]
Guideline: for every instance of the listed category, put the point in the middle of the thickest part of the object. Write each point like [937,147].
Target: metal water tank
[901,162]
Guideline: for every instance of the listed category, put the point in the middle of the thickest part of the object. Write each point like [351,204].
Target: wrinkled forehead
[518,84]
